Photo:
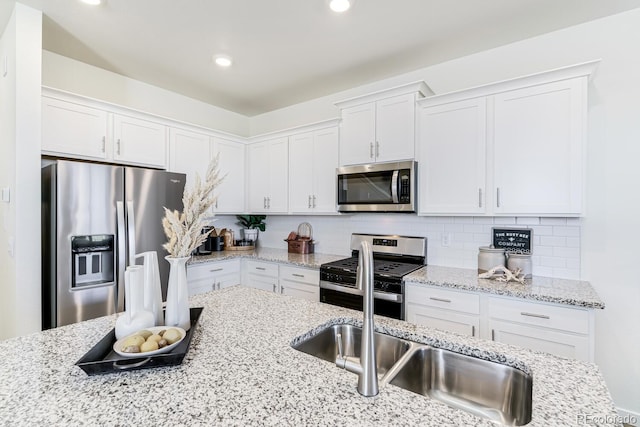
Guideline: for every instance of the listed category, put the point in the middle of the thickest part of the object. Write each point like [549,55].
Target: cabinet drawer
[303,275]
[539,314]
[199,271]
[443,298]
[262,268]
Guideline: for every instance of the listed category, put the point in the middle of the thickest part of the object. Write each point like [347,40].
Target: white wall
[77,77]
[20,109]
[611,229]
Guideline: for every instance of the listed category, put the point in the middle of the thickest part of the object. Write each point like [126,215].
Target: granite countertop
[269,254]
[241,370]
[548,289]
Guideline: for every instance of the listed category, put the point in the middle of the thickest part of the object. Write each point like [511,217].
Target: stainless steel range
[393,256]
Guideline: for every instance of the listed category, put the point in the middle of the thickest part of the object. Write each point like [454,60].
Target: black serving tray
[101,359]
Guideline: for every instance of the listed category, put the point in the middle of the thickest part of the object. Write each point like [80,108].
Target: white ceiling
[289,51]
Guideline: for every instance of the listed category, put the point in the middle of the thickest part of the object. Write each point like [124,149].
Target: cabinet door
[562,344]
[445,320]
[538,138]
[73,129]
[231,192]
[266,283]
[258,177]
[300,290]
[357,134]
[301,172]
[325,162]
[190,153]
[395,128]
[278,195]
[139,141]
[452,158]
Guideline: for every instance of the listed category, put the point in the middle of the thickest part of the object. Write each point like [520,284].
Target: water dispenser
[93,260]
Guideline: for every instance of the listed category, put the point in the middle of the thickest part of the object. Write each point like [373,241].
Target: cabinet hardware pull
[539,316]
[314,201]
[377,149]
[440,299]
[261,268]
[498,197]
[473,330]
[118,144]
[268,202]
[264,202]
[309,201]
[371,150]
[297,275]
[479,197]
[104,138]
[274,287]
[281,289]
[493,335]
[216,269]
[216,204]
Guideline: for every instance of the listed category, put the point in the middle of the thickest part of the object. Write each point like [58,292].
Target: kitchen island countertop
[241,370]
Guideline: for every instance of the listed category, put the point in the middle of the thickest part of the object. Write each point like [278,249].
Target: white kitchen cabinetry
[212,276]
[538,134]
[510,148]
[452,157]
[300,282]
[261,275]
[73,129]
[139,141]
[443,309]
[231,192]
[563,331]
[380,127]
[189,153]
[313,159]
[268,176]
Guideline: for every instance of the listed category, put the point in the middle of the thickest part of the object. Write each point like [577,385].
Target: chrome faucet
[365,366]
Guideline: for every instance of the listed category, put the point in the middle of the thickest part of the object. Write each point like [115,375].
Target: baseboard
[629,417]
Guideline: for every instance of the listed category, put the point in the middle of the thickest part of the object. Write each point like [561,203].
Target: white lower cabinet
[300,282]
[451,311]
[553,328]
[212,276]
[261,275]
[564,331]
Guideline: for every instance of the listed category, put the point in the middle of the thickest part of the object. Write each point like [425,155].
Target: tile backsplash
[452,241]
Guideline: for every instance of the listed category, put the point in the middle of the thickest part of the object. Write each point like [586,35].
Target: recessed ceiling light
[92,2]
[339,5]
[223,60]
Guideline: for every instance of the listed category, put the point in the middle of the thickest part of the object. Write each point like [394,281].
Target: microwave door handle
[131,233]
[394,186]
[121,255]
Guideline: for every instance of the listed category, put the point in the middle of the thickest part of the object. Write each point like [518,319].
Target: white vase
[177,311]
[135,318]
[152,287]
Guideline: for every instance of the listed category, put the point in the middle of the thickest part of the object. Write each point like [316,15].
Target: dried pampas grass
[184,230]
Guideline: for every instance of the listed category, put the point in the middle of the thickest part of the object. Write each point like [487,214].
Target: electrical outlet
[446,239]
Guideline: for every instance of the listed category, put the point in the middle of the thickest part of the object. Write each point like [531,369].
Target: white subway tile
[556,262]
[527,220]
[483,220]
[566,252]
[482,238]
[553,241]
[566,273]
[553,221]
[504,220]
[435,228]
[454,228]
[542,271]
[543,250]
[566,231]
[573,242]
[542,230]
[576,222]
[573,264]
[463,220]
[472,228]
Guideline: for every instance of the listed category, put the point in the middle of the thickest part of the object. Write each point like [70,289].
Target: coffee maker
[211,243]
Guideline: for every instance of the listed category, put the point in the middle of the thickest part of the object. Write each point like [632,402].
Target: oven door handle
[354,291]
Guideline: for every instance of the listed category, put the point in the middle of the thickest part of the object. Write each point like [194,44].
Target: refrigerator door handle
[131,233]
[121,255]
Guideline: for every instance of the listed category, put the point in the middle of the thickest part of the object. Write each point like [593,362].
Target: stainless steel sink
[486,389]
[324,346]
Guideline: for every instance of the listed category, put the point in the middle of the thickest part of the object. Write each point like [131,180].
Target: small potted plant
[251,224]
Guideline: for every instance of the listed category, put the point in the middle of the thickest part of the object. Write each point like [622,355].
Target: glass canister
[521,261]
[489,257]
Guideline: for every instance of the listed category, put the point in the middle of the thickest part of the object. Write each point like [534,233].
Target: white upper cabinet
[313,159]
[88,131]
[452,158]
[231,192]
[510,148]
[73,129]
[538,135]
[139,141]
[189,153]
[268,176]
[380,127]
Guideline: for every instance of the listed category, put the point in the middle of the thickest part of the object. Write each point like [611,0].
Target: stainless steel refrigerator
[95,218]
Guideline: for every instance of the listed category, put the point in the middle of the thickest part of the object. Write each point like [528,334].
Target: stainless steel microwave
[379,187]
